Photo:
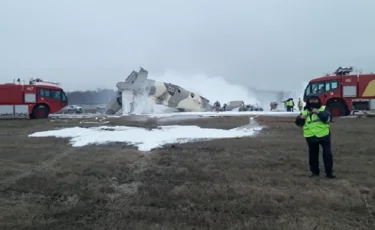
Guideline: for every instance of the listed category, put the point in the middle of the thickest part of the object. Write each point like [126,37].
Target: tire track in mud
[8,182]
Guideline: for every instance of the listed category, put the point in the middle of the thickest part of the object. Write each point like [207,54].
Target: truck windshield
[63,96]
[315,88]
[53,94]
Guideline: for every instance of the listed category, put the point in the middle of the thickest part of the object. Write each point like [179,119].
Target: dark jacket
[324,116]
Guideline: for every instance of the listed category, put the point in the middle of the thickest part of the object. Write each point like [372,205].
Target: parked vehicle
[343,92]
[34,100]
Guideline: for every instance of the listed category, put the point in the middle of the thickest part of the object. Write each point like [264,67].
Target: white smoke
[296,94]
[302,90]
[213,88]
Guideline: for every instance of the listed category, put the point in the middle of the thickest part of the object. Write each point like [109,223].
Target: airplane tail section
[128,102]
[134,81]
[130,93]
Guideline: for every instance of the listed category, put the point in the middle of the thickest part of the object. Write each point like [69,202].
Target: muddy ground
[247,183]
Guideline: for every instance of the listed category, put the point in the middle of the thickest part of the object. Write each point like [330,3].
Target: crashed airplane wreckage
[137,90]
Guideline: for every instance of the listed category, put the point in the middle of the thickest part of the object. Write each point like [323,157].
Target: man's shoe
[314,175]
[330,176]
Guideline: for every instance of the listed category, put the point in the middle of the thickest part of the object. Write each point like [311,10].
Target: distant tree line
[90,97]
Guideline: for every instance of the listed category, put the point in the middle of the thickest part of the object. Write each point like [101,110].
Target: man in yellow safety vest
[315,122]
[289,105]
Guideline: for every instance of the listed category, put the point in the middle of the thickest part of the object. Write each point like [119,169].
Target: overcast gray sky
[269,44]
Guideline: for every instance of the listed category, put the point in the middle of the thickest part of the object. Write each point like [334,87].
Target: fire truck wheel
[337,109]
[40,112]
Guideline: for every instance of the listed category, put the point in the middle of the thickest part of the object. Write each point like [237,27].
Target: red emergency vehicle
[35,100]
[343,92]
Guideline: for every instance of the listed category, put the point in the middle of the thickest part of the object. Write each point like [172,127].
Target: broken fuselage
[137,91]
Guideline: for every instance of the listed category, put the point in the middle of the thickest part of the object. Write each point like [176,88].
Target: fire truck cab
[34,100]
[344,93]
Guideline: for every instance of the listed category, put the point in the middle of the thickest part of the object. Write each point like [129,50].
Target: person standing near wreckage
[315,122]
[300,104]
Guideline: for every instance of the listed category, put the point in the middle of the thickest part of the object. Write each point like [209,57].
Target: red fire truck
[343,92]
[34,100]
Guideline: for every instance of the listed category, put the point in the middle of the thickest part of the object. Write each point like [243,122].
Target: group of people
[217,106]
[288,104]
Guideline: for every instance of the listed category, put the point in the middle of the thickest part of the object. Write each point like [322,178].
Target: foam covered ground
[144,139]
[257,182]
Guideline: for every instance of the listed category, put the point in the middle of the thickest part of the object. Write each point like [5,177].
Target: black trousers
[314,155]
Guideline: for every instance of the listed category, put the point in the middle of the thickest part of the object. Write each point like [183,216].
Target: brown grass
[248,183]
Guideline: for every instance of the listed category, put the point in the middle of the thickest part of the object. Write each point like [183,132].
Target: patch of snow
[80,116]
[351,116]
[163,109]
[144,139]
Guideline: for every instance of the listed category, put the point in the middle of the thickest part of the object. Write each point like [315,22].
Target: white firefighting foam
[144,139]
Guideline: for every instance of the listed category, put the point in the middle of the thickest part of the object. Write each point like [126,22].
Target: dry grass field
[256,182]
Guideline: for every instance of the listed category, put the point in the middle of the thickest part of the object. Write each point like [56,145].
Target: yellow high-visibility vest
[314,126]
